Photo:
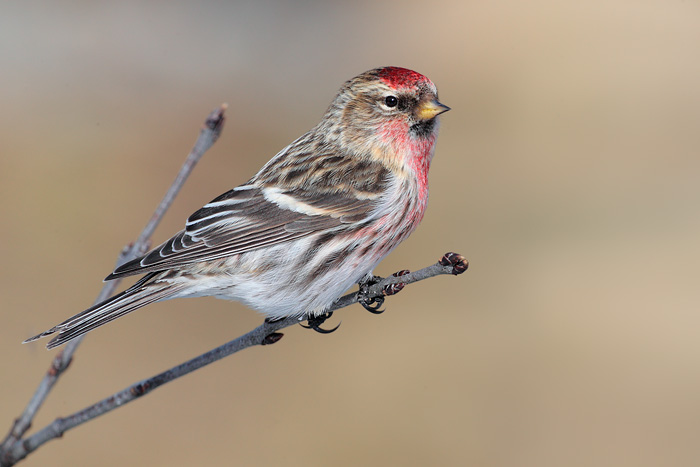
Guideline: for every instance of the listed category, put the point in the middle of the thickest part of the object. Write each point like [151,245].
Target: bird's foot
[373,304]
[315,323]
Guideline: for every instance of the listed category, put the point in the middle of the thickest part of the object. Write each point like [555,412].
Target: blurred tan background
[567,173]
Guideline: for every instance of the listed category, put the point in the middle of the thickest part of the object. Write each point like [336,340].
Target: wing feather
[245,219]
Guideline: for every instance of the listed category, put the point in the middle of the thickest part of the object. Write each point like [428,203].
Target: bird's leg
[315,323]
[373,304]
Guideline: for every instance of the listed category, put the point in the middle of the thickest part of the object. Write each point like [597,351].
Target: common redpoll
[316,219]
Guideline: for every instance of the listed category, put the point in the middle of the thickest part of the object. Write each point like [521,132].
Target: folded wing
[250,217]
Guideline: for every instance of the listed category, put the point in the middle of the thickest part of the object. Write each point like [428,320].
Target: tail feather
[143,293]
[71,333]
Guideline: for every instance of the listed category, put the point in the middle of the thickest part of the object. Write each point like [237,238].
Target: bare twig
[266,333]
[209,134]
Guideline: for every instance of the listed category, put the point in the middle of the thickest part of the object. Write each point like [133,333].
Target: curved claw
[373,304]
[315,323]
[319,329]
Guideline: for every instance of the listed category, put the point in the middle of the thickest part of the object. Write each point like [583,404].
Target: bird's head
[387,112]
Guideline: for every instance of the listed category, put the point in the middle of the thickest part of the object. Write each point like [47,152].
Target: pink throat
[414,152]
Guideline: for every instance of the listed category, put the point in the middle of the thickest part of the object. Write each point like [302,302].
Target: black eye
[391,101]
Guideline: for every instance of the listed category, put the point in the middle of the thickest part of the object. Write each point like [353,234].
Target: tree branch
[266,333]
[209,134]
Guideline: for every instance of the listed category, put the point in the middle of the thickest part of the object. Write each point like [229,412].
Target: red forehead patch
[401,77]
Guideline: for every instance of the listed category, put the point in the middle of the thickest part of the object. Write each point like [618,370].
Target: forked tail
[144,292]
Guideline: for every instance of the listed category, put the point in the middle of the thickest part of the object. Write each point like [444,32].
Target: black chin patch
[423,128]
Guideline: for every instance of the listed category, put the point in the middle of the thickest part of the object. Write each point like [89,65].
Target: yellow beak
[430,109]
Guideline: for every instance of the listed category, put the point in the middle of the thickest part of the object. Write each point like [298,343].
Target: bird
[314,221]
